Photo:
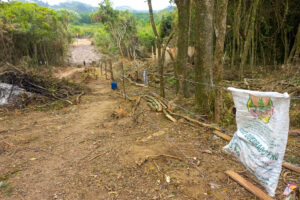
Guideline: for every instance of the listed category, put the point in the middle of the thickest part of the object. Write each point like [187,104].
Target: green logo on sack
[261,108]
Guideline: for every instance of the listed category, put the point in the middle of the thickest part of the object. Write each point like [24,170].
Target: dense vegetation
[34,33]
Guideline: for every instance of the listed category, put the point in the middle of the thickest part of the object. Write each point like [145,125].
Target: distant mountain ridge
[123,8]
[75,6]
[81,7]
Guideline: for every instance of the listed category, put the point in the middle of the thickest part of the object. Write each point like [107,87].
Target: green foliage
[85,18]
[119,28]
[27,30]
[104,40]
[84,30]
[143,18]
[146,36]
[165,21]
[166,24]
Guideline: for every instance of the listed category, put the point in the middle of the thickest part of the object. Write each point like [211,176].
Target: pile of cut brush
[40,84]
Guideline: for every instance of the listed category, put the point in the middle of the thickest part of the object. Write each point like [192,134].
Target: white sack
[6,92]
[262,130]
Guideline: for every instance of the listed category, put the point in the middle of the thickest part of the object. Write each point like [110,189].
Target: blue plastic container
[114,85]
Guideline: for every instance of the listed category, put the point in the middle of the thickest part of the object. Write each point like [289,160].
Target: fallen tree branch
[169,116]
[3,131]
[101,154]
[135,83]
[195,121]
[78,98]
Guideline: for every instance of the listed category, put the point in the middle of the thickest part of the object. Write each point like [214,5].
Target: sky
[135,4]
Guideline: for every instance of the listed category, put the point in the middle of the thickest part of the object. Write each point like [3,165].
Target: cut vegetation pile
[42,85]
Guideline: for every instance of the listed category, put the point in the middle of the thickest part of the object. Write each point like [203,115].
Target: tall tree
[236,33]
[203,52]
[159,48]
[295,52]
[221,16]
[183,7]
[249,35]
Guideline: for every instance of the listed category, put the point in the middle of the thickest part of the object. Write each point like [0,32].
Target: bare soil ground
[82,50]
[107,148]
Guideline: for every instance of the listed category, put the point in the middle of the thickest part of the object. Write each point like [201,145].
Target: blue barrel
[114,85]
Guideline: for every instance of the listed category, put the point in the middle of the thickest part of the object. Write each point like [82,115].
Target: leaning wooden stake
[249,186]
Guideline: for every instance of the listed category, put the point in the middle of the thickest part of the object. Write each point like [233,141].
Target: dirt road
[82,50]
[109,148]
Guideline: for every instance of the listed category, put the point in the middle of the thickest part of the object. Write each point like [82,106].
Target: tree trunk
[182,44]
[295,52]
[248,38]
[158,44]
[219,54]
[236,33]
[203,52]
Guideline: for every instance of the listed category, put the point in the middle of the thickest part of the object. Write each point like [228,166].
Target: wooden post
[105,69]
[249,186]
[123,78]
[111,70]
[101,67]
